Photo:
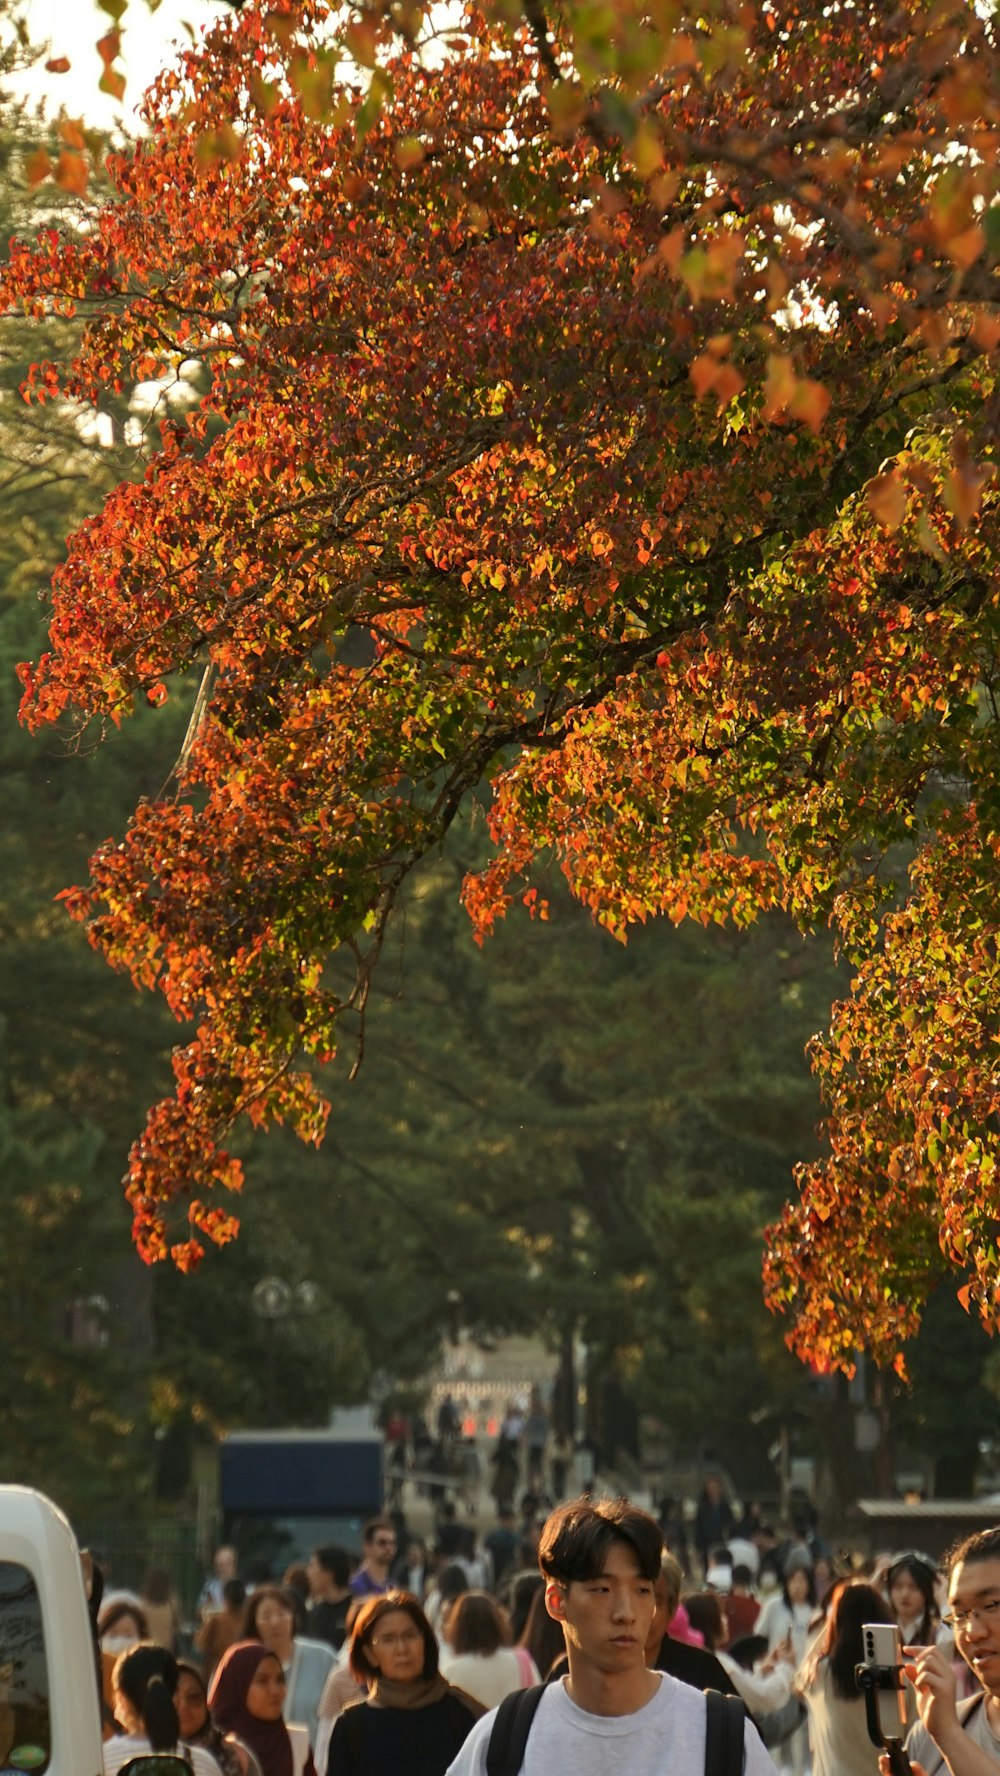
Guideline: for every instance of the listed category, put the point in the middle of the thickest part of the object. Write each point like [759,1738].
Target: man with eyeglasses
[378,1554]
[962,1738]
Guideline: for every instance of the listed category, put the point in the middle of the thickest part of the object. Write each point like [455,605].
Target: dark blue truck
[283,1493]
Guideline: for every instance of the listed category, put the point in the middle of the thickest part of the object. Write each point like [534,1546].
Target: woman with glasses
[413,1720]
[306,1664]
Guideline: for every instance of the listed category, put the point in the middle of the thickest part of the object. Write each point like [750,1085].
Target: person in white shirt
[610,1713]
[476,1657]
[144,1682]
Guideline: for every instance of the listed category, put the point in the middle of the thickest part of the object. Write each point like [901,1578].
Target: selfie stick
[870,1679]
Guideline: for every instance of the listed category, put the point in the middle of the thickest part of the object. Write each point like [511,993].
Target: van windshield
[24,1686]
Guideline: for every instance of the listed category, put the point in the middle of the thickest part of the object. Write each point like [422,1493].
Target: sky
[73,30]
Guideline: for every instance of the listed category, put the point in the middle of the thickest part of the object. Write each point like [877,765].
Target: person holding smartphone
[953,1737]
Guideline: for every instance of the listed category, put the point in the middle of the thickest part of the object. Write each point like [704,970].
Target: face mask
[117,1643]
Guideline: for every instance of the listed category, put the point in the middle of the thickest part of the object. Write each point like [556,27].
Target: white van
[49,1716]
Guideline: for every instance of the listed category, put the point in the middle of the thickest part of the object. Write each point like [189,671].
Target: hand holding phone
[883,1652]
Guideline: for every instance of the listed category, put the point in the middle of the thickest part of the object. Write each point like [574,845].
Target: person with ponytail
[144,1682]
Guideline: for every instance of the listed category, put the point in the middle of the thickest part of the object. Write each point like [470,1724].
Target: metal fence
[126,1551]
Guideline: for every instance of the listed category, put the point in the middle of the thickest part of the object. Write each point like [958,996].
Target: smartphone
[883,1646]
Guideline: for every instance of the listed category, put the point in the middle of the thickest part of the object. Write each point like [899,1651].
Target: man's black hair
[576,1538]
[336,1561]
[983,1545]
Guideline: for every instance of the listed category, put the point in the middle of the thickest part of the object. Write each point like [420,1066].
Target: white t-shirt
[972,1713]
[666,1737]
[124,1746]
[489,1677]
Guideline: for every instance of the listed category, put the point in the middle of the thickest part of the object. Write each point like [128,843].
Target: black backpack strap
[505,1751]
[725,1718]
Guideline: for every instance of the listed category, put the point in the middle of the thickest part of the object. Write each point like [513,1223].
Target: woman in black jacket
[413,1720]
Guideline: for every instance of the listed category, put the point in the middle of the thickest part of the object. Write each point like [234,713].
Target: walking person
[305,1664]
[379,1548]
[788,1617]
[196,1724]
[910,1580]
[145,1680]
[838,1727]
[247,1699]
[329,1571]
[222,1628]
[713,1520]
[956,1737]
[610,1714]
[478,1657]
[161,1608]
[413,1720]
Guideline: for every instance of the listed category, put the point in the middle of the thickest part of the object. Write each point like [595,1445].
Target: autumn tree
[612,442]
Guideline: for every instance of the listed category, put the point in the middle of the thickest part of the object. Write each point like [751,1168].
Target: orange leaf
[986,331]
[703,372]
[964,249]
[37,167]
[810,403]
[71,172]
[962,492]
[58,65]
[886,496]
[109,47]
[71,132]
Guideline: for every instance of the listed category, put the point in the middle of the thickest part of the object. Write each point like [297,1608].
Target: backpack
[724,1721]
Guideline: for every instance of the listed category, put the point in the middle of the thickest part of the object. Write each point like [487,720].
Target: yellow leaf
[962,491]
[779,386]
[886,497]
[409,152]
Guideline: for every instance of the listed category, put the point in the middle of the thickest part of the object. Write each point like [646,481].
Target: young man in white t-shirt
[610,1713]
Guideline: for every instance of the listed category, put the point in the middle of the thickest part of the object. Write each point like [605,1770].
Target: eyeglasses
[409,1637]
[962,1619]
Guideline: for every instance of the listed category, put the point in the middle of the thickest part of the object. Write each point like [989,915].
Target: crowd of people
[389,1661]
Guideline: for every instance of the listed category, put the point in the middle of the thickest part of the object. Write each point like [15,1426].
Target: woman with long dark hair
[838,1730]
[789,1618]
[196,1723]
[413,1719]
[542,1640]
[910,1581]
[144,1683]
